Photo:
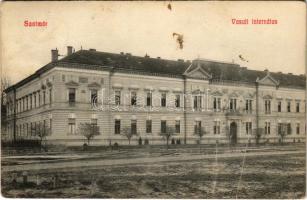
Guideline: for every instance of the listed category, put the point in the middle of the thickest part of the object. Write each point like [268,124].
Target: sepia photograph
[153,100]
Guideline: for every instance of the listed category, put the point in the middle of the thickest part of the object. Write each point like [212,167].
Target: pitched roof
[126,62]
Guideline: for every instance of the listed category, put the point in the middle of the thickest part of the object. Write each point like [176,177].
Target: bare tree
[128,133]
[41,131]
[283,132]
[89,131]
[258,133]
[168,134]
[5,83]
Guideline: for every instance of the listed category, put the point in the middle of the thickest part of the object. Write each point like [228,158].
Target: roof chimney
[54,55]
[69,50]
[92,49]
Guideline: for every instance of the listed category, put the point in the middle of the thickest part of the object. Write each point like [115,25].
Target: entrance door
[233,133]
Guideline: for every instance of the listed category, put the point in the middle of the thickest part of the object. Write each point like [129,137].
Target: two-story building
[230,103]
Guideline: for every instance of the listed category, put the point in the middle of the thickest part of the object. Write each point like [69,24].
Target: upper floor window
[117,126]
[248,105]
[44,97]
[133,127]
[267,128]
[149,99]
[27,103]
[279,106]
[177,101]
[217,127]
[39,97]
[233,104]
[71,95]
[197,102]
[288,106]
[267,106]
[30,101]
[163,126]
[93,96]
[34,95]
[163,100]
[50,96]
[148,126]
[117,97]
[177,126]
[248,127]
[216,103]
[133,98]
[297,106]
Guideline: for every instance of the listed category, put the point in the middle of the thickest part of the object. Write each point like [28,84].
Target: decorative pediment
[233,95]
[268,80]
[94,85]
[267,96]
[248,96]
[197,72]
[72,84]
[197,91]
[217,93]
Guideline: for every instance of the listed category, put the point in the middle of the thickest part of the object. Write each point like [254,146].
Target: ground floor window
[217,127]
[297,128]
[267,128]
[133,127]
[163,126]
[117,126]
[177,126]
[71,126]
[148,126]
[248,127]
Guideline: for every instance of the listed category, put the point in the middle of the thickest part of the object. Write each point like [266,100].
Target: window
[27,103]
[267,128]
[297,128]
[163,126]
[133,127]
[117,126]
[149,99]
[117,97]
[289,130]
[71,126]
[177,126]
[197,126]
[248,126]
[93,96]
[34,95]
[94,121]
[279,128]
[297,106]
[197,102]
[50,125]
[163,100]
[133,98]
[148,126]
[50,96]
[267,106]
[44,97]
[233,104]
[30,101]
[177,101]
[39,98]
[71,95]
[248,105]
[289,106]
[63,78]
[217,127]
[279,106]
[216,104]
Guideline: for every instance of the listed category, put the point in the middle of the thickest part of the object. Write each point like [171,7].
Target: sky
[143,28]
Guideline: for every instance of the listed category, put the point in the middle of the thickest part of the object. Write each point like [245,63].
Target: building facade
[229,103]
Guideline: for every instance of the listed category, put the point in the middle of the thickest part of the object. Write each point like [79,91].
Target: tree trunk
[167,143]
[129,141]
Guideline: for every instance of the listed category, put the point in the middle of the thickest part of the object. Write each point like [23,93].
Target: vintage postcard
[153,100]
